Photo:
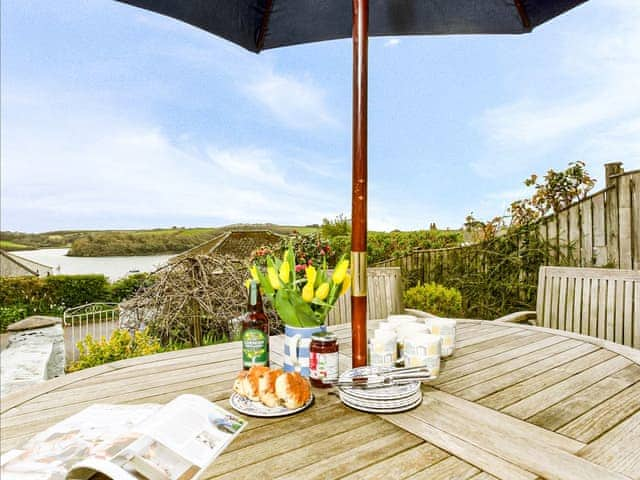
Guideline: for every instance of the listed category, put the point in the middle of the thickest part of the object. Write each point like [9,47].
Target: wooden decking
[514,402]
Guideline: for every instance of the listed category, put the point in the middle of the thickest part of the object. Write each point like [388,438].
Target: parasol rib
[524,16]
[263,25]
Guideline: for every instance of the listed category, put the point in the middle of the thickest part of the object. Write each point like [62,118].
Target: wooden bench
[384,298]
[598,302]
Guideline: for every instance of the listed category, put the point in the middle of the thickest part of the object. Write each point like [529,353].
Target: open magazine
[176,441]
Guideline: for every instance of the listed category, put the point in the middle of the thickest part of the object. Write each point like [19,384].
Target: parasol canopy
[263,24]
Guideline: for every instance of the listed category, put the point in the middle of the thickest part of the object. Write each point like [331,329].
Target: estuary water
[113,267]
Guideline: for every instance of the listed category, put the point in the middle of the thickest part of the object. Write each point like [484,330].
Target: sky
[114,117]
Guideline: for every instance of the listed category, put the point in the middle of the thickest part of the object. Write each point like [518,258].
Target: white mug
[383,348]
[406,330]
[423,349]
[446,328]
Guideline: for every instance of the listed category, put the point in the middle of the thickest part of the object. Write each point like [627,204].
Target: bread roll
[267,387]
[250,383]
[293,390]
[238,385]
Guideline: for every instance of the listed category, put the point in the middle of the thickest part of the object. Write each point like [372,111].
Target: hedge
[52,295]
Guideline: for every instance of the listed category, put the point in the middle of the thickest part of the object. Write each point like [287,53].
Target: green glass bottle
[255,331]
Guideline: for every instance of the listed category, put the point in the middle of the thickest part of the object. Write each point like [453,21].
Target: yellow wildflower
[323,291]
[346,284]
[273,278]
[285,271]
[311,275]
[247,283]
[340,271]
[307,292]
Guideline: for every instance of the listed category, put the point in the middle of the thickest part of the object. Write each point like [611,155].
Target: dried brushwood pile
[193,300]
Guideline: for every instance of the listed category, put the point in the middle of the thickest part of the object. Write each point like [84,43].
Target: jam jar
[323,363]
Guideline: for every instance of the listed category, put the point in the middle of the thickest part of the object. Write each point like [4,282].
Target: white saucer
[258,409]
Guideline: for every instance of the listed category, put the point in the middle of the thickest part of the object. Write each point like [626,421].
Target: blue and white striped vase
[297,341]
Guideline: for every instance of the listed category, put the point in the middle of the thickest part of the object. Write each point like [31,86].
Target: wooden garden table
[513,402]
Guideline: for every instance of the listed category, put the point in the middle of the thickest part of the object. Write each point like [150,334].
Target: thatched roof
[238,244]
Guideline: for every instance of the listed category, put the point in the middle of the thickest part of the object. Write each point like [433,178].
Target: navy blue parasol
[263,24]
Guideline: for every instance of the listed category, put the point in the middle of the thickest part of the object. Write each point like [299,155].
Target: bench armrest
[519,317]
[419,313]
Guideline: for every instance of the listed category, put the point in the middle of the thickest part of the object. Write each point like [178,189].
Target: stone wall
[35,353]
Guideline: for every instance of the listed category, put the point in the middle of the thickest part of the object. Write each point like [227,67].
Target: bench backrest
[599,302]
[384,292]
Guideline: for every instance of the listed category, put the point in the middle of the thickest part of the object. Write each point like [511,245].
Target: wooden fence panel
[586,232]
[563,234]
[624,217]
[552,238]
[599,231]
[613,226]
[575,235]
[635,220]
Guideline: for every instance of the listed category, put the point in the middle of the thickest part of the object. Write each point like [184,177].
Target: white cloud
[298,103]
[392,42]
[600,109]
[70,167]
[295,101]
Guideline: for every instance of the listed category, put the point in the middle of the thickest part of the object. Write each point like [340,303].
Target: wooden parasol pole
[359,185]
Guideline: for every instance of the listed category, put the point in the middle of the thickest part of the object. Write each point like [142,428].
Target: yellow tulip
[285,271]
[273,278]
[340,271]
[254,273]
[307,292]
[346,284]
[311,275]
[247,283]
[323,291]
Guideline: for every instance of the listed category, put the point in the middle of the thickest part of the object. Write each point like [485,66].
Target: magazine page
[180,441]
[99,431]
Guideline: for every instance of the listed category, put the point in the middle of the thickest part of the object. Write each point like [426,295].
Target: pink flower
[300,268]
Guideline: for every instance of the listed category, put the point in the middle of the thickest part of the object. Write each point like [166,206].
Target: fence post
[611,169]
[611,216]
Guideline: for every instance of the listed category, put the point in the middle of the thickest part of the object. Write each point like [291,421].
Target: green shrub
[340,226]
[127,286]
[24,296]
[9,315]
[118,347]
[434,298]
[65,291]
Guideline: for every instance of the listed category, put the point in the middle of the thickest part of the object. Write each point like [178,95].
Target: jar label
[324,366]
[255,348]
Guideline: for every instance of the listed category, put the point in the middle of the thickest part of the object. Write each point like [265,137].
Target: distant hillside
[89,243]
[32,241]
[151,242]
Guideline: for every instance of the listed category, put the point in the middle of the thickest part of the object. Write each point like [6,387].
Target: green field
[8,245]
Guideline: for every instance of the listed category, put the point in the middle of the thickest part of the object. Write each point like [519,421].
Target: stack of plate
[390,399]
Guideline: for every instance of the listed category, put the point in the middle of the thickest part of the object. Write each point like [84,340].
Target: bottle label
[255,348]
[324,366]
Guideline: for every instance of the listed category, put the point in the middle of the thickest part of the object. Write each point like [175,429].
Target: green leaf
[286,310]
[303,311]
[264,283]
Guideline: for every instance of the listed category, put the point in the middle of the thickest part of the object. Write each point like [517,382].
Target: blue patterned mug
[297,341]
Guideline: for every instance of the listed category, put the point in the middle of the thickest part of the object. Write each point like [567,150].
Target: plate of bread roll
[270,392]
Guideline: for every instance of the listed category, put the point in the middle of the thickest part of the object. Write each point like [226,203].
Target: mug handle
[294,341]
